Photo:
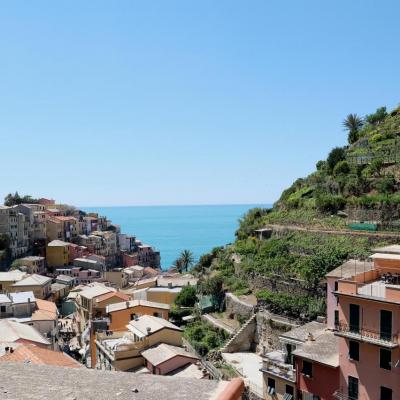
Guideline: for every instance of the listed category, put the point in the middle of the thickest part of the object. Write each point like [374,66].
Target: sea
[171,229]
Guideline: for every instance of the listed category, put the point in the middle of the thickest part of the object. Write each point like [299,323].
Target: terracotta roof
[29,353]
[46,310]
[107,296]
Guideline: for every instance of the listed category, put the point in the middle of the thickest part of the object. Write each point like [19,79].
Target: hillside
[350,204]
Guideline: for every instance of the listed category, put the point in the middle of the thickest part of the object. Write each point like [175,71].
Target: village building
[121,313]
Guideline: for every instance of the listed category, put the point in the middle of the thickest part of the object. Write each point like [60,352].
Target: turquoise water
[172,229]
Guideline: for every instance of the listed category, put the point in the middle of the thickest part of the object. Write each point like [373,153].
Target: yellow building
[38,284]
[163,295]
[7,279]
[57,253]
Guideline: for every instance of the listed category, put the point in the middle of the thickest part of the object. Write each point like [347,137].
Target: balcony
[367,335]
[275,363]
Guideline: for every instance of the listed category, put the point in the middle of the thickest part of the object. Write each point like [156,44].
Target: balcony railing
[380,338]
[340,395]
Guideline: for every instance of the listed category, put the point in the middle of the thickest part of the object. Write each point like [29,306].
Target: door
[354,318]
[353,388]
[386,325]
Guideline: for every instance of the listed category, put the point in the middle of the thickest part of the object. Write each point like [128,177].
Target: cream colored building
[121,351]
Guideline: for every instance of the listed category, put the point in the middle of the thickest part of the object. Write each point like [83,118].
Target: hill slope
[357,183]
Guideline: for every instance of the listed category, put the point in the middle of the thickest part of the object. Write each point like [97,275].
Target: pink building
[367,326]
[76,251]
[164,358]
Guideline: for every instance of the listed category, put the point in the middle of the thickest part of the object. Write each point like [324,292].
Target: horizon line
[179,205]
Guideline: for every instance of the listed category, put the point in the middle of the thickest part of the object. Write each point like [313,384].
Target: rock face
[259,333]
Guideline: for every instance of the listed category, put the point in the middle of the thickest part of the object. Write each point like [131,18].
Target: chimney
[127,304]
[310,337]
[148,330]
[169,285]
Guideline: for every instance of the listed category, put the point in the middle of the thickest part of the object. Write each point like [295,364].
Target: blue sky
[184,102]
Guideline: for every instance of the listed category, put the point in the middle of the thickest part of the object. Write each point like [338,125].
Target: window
[336,286]
[385,359]
[354,318]
[307,369]
[386,393]
[290,391]
[386,325]
[271,386]
[3,309]
[336,318]
[353,388]
[354,350]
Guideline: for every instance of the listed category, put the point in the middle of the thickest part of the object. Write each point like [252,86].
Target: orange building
[122,313]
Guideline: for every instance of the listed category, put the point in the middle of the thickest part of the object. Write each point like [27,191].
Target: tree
[15,199]
[337,154]
[187,259]
[186,297]
[353,123]
[378,116]
[178,264]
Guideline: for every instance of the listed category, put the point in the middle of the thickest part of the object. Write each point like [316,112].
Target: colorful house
[122,313]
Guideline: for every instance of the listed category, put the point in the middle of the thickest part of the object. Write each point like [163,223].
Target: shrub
[386,185]
[186,297]
[327,203]
[337,154]
[342,167]
[378,116]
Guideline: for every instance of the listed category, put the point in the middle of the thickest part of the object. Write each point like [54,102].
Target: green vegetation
[292,306]
[356,183]
[185,261]
[187,297]
[14,199]
[204,337]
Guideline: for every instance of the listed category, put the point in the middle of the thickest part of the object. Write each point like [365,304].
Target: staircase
[239,333]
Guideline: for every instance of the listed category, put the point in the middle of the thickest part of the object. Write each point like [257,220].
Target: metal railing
[341,395]
[379,337]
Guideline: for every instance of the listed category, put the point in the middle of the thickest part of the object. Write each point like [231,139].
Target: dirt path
[276,228]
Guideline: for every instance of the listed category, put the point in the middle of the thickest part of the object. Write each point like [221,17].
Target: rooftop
[391,249]
[350,268]
[57,243]
[4,299]
[11,331]
[301,333]
[163,352]
[32,258]
[386,256]
[12,276]
[146,324]
[135,303]
[32,354]
[33,280]
[323,348]
[109,295]
[96,290]
[22,297]
[101,385]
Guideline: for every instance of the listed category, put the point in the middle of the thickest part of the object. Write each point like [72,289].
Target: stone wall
[243,339]
[268,329]
[234,307]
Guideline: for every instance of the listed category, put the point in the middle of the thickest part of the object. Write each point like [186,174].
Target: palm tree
[353,123]
[187,259]
[178,264]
